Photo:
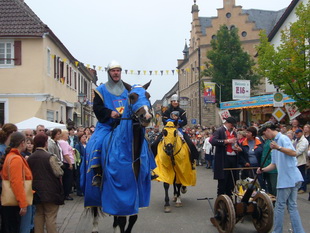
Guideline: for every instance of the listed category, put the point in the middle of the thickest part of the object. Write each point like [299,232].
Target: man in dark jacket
[47,185]
[225,157]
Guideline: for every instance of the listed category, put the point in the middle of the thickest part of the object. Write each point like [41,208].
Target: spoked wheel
[224,214]
[263,216]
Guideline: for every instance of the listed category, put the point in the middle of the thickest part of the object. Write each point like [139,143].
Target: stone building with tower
[203,29]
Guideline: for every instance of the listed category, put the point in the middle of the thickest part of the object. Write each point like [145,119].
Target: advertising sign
[209,92]
[241,89]
[292,111]
[224,114]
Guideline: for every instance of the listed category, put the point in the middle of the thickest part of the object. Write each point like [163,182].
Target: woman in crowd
[88,133]
[252,149]
[68,164]
[80,147]
[29,148]
[5,135]
[47,184]
[14,167]
[53,145]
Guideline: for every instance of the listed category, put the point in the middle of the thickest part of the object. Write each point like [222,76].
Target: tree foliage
[287,66]
[228,61]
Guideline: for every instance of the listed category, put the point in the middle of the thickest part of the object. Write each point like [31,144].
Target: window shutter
[17,53]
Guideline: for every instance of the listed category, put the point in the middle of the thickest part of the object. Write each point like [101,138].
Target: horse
[127,162]
[174,164]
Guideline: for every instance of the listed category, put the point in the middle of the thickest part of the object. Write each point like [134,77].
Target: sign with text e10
[241,89]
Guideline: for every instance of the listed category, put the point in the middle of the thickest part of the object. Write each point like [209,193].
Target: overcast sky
[139,34]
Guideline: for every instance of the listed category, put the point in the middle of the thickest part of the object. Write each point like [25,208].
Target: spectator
[251,153]
[5,136]
[47,184]
[28,133]
[302,145]
[295,125]
[29,148]
[289,177]
[68,164]
[307,132]
[208,150]
[40,129]
[14,167]
[80,147]
[53,145]
[72,139]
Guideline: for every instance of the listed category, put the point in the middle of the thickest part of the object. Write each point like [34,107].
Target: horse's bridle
[171,155]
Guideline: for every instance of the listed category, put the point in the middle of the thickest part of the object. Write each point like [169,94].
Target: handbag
[7,196]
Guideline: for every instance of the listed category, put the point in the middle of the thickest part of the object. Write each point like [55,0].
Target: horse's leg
[119,224]
[132,221]
[178,202]
[94,211]
[175,192]
[167,205]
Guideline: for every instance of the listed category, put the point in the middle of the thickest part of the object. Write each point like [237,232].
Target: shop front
[256,109]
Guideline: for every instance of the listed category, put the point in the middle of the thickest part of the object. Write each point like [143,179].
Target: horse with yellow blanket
[173,162]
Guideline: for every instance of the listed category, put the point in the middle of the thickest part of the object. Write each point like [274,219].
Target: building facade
[39,76]
[203,30]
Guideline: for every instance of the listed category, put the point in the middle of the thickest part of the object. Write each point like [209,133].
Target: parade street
[194,216]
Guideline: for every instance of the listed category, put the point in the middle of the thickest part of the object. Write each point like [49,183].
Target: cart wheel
[263,216]
[224,214]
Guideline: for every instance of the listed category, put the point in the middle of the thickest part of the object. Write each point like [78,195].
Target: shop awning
[254,102]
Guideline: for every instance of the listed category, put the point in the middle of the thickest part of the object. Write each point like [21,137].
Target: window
[6,53]
[228,15]
[244,33]
[50,115]
[48,61]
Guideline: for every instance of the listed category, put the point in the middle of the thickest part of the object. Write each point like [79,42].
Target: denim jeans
[287,196]
[26,223]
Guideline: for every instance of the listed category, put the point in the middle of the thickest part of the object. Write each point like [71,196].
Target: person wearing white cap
[108,105]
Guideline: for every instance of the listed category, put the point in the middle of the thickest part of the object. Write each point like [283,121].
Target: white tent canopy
[33,122]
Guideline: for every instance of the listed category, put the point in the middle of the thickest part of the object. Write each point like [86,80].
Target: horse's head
[170,137]
[139,103]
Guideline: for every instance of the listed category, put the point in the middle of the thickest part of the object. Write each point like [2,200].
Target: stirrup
[96,181]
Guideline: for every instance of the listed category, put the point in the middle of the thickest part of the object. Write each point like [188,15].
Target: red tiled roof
[17,19]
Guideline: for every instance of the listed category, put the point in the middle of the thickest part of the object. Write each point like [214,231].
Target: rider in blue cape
[109,102]
[124,190]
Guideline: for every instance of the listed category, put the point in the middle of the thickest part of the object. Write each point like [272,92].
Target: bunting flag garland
[134,72]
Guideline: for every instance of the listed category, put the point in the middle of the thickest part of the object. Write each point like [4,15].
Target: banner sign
[254,102]
[209,92]
[292,111]
[224,114]
[241,89]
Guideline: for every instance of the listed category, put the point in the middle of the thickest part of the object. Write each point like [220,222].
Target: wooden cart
[254,202]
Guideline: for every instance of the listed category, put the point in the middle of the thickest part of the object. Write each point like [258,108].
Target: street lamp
[199,81]
[81,98]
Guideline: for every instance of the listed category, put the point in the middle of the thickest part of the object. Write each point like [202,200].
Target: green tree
[228,61]
[287,66]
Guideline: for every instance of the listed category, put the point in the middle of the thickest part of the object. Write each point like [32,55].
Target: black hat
[267,125]
[231,120]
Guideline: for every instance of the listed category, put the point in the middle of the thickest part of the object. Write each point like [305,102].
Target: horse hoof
[167,209]
[178,204]
[174,199]
[183,189]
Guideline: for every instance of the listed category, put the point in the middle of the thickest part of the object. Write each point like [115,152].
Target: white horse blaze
[147,113]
